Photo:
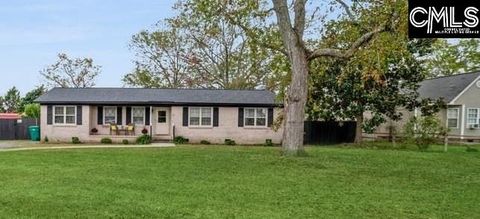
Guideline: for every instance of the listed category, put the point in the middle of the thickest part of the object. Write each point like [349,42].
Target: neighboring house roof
[10,116]
[96,96]
[447,87]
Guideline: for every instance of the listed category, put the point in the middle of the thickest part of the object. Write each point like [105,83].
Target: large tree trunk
[295,106]
[358,129]
[297,92]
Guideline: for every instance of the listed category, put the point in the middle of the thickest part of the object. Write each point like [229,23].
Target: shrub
[144,131]
[180,140]
[125,141]
[45,139]
[268,142]
[144,139]
[204,142]
[76,140]
[424,131]
[106,141]
[229,142]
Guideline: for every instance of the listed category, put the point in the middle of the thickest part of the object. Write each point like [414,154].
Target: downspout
[462,123]
[151,124]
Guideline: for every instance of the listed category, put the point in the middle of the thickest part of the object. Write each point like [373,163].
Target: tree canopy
[67,72]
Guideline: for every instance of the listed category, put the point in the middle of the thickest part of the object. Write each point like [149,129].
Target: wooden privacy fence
[329,132]
[12,129]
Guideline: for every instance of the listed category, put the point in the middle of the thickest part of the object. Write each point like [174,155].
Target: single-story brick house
[461,94]
[245,116]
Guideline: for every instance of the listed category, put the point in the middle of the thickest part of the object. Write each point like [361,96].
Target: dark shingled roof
[157,96]
[447,87]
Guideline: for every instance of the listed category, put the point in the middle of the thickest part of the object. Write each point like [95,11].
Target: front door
[162,121]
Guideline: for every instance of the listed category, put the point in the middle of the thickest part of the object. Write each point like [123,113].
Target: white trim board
[464,90]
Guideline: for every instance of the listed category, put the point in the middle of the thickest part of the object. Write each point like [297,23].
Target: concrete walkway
[52,147]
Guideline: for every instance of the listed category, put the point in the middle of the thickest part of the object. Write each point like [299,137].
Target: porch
[129,122]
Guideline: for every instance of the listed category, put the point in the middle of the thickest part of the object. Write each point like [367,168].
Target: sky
[33,32]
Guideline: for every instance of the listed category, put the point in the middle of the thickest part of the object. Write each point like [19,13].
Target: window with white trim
[255,117]
[65,115]
[138,115]
[472,116]
[110,115]
[200,116]
[452,117]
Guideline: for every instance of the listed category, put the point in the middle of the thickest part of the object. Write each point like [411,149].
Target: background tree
[33,111]
[161,59]
[11,100]
[31,96]
[66,72]
[449,58]
[2,108]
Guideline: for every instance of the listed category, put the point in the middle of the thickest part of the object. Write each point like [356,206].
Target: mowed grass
[239,182]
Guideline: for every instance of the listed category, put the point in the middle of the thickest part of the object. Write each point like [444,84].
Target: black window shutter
[119,115]
[240,117]
[147,115]
[129,115]
[49,115]
[185,116]
[270,117]
[100,115]
[79,115]
[215,117]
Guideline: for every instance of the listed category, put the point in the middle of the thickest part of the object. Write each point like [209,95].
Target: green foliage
[45,139]
[229,142]
[106,141]
[180,140]
[11,100]
[424,131]
[31,96]
[125,141]
[449,58]
[66,72]
[205,142]
[268,142]
[76,140]
[32,110]
[144,139]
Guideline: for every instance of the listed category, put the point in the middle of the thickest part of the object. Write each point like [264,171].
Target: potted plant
[94,131]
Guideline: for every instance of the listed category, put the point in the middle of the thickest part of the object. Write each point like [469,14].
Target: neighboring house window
[200,116]
[452,118]
[138,115]
[65,115]
[472,116]
[110,115]
[255,117]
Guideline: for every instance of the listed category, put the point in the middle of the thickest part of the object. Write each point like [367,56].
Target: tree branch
[299,23]
[347,9]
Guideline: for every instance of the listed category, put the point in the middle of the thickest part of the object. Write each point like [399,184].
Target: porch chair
[113,129]
[130,129]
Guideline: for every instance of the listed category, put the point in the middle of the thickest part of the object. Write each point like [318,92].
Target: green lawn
[239,182]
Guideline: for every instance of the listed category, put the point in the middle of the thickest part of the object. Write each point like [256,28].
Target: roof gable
[157,96]
[448,87]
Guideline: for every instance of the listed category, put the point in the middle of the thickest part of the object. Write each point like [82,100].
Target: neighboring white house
[461,94]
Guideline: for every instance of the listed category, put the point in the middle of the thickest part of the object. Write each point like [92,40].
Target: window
[65,115]
[138,115]
[255,117]
[472,116]
[452,118]
[110,115]
[200,116]
[162,116]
